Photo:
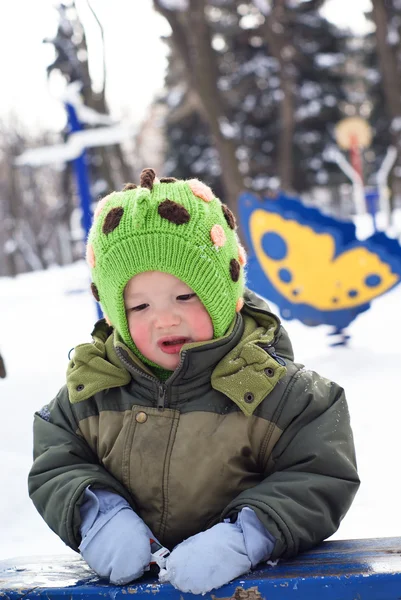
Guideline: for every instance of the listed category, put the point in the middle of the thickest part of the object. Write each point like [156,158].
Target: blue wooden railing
[341,570]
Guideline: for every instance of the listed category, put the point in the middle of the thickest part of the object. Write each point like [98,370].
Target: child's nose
[166,319]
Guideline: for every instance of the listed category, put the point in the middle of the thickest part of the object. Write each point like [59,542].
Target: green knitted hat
[177,227]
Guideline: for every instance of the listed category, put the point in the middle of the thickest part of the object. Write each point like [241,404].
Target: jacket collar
[238,364]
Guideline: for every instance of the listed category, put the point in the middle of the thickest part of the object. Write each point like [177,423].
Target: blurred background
[243,95]
[252,96]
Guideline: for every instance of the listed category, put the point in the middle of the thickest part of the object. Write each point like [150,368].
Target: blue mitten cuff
[259,543]
[97,509]
[116,541]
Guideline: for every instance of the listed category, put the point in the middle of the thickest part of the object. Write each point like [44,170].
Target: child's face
[163,314]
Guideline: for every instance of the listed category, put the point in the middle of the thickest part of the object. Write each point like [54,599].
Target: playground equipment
[341,570]
[312,265]
[74,150]
[354,134]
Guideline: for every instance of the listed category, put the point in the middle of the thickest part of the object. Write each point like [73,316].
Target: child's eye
[139,307]
[185,297]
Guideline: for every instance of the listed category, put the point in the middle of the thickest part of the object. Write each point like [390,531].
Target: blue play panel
[341,570]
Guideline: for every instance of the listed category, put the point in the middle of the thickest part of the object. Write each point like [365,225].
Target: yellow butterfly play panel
[302,264]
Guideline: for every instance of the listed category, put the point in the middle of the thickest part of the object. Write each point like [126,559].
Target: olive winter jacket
[237,424]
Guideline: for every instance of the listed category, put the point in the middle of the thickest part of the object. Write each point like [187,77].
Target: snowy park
[273,104]
[45,314]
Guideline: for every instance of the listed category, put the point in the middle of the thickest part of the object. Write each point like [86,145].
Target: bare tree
[277,35]
[72,61]
[192,39]
[390,67]
[34,225]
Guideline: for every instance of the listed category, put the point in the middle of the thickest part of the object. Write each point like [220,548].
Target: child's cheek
[202,324]
[139,333]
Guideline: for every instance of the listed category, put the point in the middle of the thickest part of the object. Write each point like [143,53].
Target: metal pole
[357,183]
[382,177]
[82,178]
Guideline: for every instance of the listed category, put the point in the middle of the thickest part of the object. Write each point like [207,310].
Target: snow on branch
[263,6]
[75,145]
[174,4]
[85,114]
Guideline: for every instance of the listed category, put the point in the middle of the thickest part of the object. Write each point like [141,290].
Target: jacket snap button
[141,417]
[269,372]
[80,387]
[249,397]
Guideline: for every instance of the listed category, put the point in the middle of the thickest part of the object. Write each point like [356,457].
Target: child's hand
[120,550]
[214,557]
[116,542]
[207,560]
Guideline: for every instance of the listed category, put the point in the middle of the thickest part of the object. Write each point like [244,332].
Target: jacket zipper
[133,369]
[161,397]
[161,401]
[162,389]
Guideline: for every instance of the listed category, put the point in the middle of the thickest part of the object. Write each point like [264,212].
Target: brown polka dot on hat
[229,217]
[112,219]
[174,212]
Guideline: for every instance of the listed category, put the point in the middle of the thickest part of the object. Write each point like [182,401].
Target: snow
[175,95]
[174,4]
[263,6]
[393,37]
[228,130]
[45,314]
[396,125]
[72,95]
[325,60]
[76,144]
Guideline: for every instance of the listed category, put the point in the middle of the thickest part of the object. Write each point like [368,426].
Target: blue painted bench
[340,570]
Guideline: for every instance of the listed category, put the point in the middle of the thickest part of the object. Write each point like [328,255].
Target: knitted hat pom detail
[241,255]
[129,186]
[99,207]
[239,305]
[218,236]
[90,256]
[201,190]
[168,179]
[147,178]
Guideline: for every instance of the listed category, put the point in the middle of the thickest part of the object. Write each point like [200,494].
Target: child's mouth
[172,345]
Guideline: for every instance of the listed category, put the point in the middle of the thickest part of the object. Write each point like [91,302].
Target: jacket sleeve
[310,475]
[64,465]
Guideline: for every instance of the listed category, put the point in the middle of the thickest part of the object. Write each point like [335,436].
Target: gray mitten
[214,557]
[115,541]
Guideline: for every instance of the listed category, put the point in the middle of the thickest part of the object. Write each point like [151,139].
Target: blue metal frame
[341,570]
[82,177]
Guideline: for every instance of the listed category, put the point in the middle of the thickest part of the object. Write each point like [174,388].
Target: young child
[186,420]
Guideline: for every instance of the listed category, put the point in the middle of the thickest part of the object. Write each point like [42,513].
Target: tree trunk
[390,70]
[282,50]
[97,101]
[191,36]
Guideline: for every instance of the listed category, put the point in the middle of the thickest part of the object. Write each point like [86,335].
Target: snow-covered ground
[44,314]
